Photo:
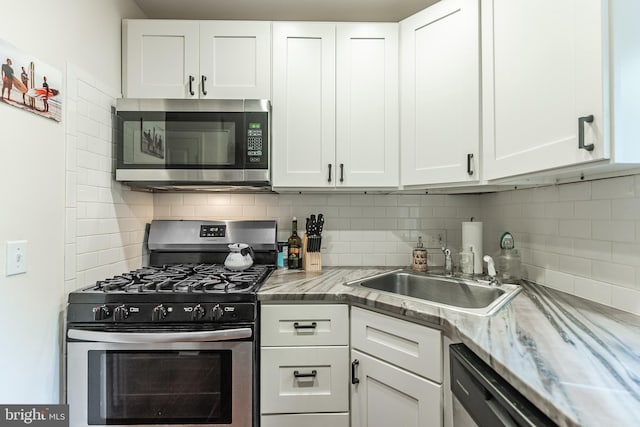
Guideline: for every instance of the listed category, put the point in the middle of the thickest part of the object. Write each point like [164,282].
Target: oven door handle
[159,337]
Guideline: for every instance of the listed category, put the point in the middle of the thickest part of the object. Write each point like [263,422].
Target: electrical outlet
[16,257]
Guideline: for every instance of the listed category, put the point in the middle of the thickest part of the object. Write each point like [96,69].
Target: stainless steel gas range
[173,343]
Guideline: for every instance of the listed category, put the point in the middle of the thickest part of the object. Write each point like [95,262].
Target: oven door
[175,378]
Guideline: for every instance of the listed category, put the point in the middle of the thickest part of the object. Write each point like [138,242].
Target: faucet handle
[491,267]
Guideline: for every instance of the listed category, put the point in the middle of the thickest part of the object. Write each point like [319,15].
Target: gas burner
[185,278]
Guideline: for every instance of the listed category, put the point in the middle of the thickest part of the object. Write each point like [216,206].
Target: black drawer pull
[469,159]
[313,325]
[341,172]
[354,365]
[329,179]
[581,122]
[311,374]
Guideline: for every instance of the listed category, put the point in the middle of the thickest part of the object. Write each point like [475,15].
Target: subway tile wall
[105,221]
[581,238]
[360,229]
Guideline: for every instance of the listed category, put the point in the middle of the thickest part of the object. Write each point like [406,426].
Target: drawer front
[304,379]
[410,346]
[312,324]
[306,420]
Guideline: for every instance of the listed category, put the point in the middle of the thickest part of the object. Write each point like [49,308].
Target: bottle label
[294,256]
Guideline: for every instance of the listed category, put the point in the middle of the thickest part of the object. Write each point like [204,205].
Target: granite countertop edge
[576,360]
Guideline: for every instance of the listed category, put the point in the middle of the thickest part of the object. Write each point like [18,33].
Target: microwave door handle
[159,337]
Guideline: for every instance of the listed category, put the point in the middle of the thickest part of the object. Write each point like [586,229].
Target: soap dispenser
[508,259]
[419,262]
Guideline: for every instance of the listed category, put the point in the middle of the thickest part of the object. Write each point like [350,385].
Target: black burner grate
[185,278]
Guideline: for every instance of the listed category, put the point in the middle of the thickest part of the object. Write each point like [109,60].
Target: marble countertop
[576,360]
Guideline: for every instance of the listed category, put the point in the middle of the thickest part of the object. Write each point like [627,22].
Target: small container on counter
[419,258]
[282,254]
[508,259]
[467,261]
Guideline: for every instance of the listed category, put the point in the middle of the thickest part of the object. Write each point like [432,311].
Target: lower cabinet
[386,395]
[304,365]
[390,375]
[396,372]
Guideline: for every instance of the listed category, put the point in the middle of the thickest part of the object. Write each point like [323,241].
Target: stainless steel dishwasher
[482,398]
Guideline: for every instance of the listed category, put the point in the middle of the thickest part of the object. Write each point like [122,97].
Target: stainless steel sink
[476,297]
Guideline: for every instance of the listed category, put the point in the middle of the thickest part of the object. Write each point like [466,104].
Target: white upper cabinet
[544,69]
[304,110]
[196,59]
[440,94]
[367,131]
[159,58]
[235,59]
[335,105]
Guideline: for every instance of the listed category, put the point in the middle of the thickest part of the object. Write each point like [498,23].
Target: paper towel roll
[472,238]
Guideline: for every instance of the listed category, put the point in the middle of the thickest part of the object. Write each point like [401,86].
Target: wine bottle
[294,259]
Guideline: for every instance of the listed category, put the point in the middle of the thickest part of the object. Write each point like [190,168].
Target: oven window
[160,387]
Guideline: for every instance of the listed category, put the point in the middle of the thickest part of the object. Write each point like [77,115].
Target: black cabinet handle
[581,122]
[204,79]
[329,180]
[191,80]
[354,365]
[313,325]
[341,172]
[311,374]
[469,164]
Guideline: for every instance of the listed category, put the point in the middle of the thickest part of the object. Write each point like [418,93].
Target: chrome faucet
[448,262]
[491,271]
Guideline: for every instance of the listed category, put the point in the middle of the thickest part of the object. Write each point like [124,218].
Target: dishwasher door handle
[500,413]
[159,337]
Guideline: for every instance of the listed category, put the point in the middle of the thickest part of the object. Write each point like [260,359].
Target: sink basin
[470,296]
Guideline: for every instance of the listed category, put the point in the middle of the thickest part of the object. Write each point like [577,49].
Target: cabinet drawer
[413,347]
[304,379]
[306,420]
[316,324]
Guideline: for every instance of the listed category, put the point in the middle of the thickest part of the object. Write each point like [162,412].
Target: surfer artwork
[29,84]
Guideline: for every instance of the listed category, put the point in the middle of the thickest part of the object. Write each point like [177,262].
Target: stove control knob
[120,313]
[217,312]
[198,312]
[159,312]
[101,313]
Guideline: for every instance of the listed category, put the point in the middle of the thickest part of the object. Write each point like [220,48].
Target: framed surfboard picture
[30,84]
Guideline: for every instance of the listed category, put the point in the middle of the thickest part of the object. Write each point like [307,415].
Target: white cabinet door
[542,71]
[389,396]
[235,59]
[367,133]
[160,58]
[303,120]
[440,94]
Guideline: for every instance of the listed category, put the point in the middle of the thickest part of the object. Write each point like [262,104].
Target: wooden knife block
[311,261]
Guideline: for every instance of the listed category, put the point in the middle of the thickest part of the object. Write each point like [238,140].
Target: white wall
[581,238]
[32,172]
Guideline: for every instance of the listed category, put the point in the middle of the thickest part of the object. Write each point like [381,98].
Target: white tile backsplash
[360,229]
[105,221]
[595,252]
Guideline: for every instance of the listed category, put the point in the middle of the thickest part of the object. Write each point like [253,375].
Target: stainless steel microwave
[172,144]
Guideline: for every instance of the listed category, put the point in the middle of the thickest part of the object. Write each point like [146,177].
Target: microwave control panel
[257,134]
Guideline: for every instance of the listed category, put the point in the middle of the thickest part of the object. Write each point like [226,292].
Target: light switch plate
[16,257]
